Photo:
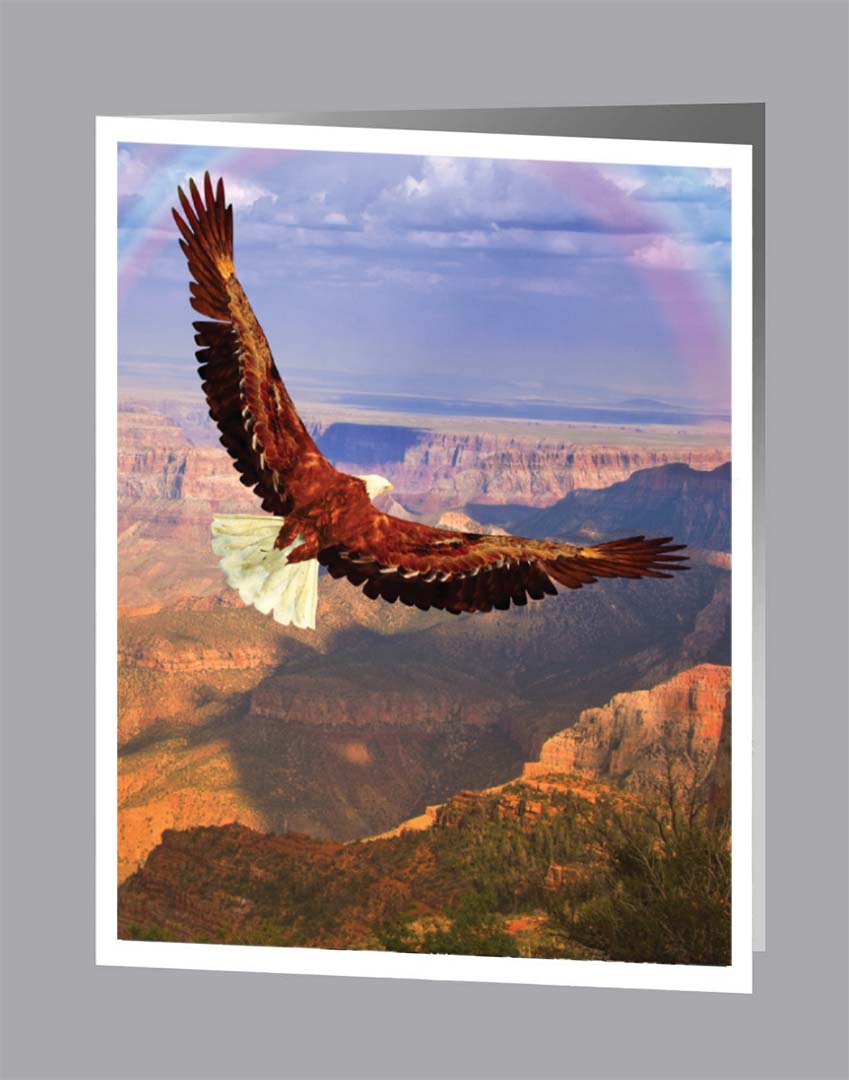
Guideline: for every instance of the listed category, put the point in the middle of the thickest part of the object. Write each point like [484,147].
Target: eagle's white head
[375,485]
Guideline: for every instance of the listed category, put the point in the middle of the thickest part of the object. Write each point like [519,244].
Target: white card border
[109,949]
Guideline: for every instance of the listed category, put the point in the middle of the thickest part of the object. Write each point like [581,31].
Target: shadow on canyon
[351,738]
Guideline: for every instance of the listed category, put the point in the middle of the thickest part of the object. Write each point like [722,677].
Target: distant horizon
[408,393]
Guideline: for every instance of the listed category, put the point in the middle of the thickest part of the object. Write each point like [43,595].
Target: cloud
[482,208]
[243,193]
[153,183]
[683,185]
[300,210]
[669,253]
[497,239]
[627,182]
[468,263]
[663,253]
[399,275]
[719,178]
[132,174]
[468,194]
[550,229]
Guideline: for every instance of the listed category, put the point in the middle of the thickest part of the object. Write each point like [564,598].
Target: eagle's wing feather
[259,425]
[455,571]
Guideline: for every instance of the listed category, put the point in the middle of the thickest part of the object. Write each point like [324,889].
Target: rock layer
[627,740]
[431,470]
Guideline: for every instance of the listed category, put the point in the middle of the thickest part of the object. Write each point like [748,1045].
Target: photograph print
[417,464]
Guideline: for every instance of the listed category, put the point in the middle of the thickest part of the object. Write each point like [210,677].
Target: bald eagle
[315,514]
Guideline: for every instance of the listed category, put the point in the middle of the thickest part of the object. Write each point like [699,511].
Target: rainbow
[693,306]
[148,226]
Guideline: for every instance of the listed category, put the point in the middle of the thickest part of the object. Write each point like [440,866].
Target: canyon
[236,883]
[382,711]
[673,499]
[629,740]
[431,470]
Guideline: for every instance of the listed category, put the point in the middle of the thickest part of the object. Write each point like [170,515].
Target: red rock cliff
[435,470]
[623,741]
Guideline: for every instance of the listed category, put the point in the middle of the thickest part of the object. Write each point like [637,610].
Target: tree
[666,882]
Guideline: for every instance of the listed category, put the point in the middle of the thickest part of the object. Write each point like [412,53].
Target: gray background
[65,63]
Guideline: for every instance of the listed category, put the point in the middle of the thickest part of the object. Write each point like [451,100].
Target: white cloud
[450,192]
[243,193]
[627,182]
[412,188]
[132,174]
[684,186]
[136,178]
[719,178]
[549,242]
[664,253]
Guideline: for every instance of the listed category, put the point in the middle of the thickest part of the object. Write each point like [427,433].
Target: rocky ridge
[432,472]
[233,883]
[389,710]
[624,741]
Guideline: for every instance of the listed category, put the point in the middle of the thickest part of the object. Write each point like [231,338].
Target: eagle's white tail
[261,573]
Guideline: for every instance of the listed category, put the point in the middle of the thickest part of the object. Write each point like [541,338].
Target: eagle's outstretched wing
[260,427]
[454,571]
[275,455]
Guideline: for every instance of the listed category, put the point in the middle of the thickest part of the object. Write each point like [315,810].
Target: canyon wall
[432,471]
[533,851]
[631,739]
[382,710]
[672,500]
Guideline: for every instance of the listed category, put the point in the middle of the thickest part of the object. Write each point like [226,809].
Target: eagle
[315,515]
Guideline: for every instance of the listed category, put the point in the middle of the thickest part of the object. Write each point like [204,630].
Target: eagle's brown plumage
[330,511]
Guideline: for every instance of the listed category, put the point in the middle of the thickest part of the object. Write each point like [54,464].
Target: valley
[341,733]
[561,861]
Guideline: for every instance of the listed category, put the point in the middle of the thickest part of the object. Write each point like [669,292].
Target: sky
[446,278]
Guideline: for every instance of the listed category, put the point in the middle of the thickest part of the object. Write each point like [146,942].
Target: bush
[668,887]
[474,931]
